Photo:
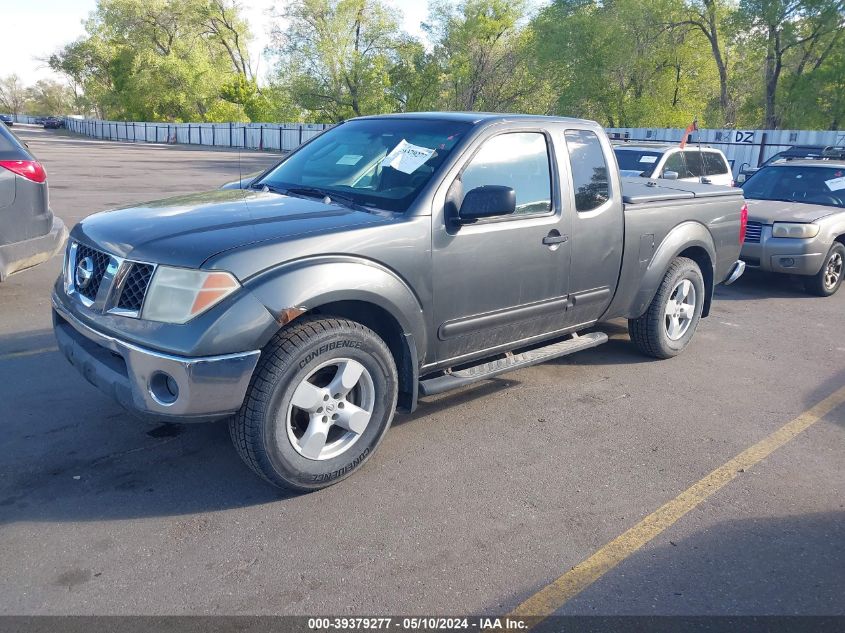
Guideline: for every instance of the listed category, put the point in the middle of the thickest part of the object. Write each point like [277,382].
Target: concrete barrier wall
[268,136]
[742,147]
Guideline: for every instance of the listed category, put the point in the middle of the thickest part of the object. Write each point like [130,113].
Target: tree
[13,94]
[624,63]
[50,97]
[482,54]
[336,56]
[159,59]
[708,17]
[786,25]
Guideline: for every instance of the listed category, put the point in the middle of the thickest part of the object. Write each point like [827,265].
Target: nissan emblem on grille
[84,272]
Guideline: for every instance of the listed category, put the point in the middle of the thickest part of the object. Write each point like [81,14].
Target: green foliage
[336,56]
[159,60]
[745,63]
[625,63]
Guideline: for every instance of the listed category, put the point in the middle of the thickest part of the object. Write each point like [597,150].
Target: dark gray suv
[29,232]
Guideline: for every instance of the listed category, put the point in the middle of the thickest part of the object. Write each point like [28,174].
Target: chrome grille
[101,262]
[135,286]
[116,285]
[753,232]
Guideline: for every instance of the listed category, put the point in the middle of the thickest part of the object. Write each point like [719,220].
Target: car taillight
[29,169]
[743,222]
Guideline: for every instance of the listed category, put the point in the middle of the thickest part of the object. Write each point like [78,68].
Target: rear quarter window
[714,164]
[9,143]
[589,169]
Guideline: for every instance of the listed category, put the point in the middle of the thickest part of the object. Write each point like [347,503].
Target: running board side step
[463,377]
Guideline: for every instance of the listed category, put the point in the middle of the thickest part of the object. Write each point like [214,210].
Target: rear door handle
[554,238]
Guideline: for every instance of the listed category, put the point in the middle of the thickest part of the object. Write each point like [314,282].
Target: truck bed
[641,190]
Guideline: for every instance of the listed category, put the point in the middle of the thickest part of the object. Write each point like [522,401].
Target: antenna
[240,170]
[700,152]
[241,174]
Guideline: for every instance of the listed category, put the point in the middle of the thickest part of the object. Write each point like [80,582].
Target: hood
[769,211]
[187,230]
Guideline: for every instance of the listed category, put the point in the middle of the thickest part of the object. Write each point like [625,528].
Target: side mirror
[486,202]
[670,175]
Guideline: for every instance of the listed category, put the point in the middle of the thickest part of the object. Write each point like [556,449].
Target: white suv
[691,164]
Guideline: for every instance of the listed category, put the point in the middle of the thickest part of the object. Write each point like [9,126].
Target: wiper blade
[349,201]
[314,192]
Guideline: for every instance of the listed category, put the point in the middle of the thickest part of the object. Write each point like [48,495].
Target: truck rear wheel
[320,401]
[827,281]
[668,325]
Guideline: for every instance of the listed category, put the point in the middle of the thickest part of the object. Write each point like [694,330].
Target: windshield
[798,183]
[641,161]
[379,163]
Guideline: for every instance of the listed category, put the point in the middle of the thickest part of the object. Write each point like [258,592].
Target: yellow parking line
[29,352]
[553,596]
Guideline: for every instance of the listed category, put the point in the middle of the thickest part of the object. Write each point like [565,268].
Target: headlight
[177,295]
[797,230]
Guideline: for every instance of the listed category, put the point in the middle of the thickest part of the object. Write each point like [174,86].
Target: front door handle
[554,238]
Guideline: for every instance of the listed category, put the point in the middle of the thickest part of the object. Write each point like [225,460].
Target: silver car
[29,232]
[796,222]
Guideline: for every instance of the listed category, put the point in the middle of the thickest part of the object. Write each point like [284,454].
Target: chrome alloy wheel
[680,309]
[833,271]
[330,409]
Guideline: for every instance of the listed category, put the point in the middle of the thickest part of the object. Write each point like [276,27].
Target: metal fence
[742,147]
[263,136]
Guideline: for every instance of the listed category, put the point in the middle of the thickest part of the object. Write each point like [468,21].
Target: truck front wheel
[668,325]
[320,401]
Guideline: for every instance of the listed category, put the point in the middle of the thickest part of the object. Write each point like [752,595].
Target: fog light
[787,262]
[164,388]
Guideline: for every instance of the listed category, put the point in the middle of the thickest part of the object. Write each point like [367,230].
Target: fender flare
[685,236]
[311,282]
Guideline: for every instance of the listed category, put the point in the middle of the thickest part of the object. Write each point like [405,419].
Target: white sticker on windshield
[648,159]
[407,157]
[349,159]
[836,184]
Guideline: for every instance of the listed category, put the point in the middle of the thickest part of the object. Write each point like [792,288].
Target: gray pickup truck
[388,258]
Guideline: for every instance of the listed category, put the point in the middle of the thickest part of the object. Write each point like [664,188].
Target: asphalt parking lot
[472,504]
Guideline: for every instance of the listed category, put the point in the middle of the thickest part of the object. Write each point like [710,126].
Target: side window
[589,169]
[695,166]
[519,160]
[675,162]
[714,164]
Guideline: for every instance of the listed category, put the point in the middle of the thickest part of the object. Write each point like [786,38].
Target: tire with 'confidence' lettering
[318,405]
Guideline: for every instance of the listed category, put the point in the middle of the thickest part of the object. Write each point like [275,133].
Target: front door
[503,279]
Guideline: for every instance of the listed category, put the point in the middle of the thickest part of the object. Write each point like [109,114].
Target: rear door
[502,279]
[598,224]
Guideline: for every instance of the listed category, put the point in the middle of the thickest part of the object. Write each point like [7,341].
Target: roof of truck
[475,117]
[658,147]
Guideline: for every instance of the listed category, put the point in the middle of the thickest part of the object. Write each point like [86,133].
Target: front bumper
[784,255]
[198,389]
[19,256]
[735,273]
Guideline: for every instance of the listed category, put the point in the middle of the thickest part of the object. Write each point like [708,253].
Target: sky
[33,29]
